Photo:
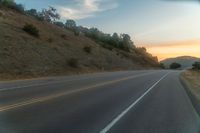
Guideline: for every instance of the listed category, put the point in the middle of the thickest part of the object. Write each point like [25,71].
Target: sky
[167,28]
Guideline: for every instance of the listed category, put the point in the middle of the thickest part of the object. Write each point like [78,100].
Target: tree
[32,12]
[36,14]
[12,5]
[49,14]
[60,24]
[141,50]
[115,40]
[94,33]
[162,65]
[6,2]
[175,65]
[70,24]
[196,66]
[18,7]
[127,42]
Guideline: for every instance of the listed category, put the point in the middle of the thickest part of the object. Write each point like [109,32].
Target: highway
[145,101]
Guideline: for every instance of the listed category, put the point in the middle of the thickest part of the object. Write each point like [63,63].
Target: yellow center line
[46,98]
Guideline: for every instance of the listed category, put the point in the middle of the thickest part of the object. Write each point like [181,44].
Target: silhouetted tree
[12,5]
[49,15]
[7,2]
[32,12]
[60,24]
[175,65]
[162,65]
[70,24]
[196,66]
[127,42]
[141,50]
[115,40]
[36,14]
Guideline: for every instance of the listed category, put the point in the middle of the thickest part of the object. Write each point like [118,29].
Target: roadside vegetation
[196,66]
[185,61]
[162,65]
[37,43]
[191,80]
[175,65]
[31,29]
[12,5]
[122,41]
[87,49]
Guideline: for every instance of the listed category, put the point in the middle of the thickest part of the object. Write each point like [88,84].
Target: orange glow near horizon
[174,49]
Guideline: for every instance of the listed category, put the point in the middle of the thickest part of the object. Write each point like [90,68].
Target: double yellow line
[46,98]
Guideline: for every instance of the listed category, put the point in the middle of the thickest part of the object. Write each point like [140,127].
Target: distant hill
[58,50]
[185,61]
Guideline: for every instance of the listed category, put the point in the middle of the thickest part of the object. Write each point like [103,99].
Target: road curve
[151,101]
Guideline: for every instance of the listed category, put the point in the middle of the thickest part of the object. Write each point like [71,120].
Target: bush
[12,5]
[50,40]
[31,29]
[175,65]
[76,33]
[73,62]
[6,3]
[18,7]
[63,36]
[196,66]
[59,24]
[34,13]
[87,49]
[162,65]
[106,46]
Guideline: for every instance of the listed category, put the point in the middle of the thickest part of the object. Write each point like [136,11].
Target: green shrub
[175,65]
[196,66]
[31,29]
[76,33]
[50,40]
[73,62]
[18,8]
[63,36]
[106,46]
[12,5]
[6,3]
[162,65]
[87,49]
[59,24]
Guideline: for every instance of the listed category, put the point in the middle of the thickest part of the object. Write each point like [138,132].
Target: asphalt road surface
[152,101]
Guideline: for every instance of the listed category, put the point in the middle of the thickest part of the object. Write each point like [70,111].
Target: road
[150,101]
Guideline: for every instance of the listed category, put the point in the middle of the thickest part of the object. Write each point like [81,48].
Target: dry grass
[191,80]
[22,55]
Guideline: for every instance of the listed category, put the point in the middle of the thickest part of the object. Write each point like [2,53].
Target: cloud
[86,8]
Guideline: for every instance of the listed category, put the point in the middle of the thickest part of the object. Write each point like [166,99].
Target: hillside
[185,61]
[57,51]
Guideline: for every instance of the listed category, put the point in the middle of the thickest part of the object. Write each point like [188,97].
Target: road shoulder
[191,82]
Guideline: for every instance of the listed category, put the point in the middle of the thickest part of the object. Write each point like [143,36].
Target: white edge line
[114,121]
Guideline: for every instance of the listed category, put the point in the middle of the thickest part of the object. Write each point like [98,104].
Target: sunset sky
[167,28]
